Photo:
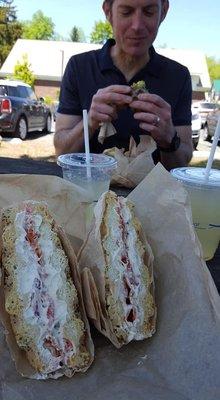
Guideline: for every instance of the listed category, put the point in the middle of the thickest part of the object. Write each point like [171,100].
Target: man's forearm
[69,140]
[69,137]
[182,156]
[178,158]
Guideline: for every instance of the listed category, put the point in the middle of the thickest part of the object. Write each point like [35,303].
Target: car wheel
[206,135]
[47,128]
[195,143]
[21,128]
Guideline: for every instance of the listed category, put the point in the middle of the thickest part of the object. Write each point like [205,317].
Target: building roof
[49,58]
[8,82]
[195,61]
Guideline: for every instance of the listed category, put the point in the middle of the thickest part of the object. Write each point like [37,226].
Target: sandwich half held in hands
[138,88]
[117,273]
[43,299]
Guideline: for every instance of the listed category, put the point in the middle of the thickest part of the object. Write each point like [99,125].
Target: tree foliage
[101,32]
[58,37]
[40,27]
[213,67]
[10,28]
[23,72]
[77,35]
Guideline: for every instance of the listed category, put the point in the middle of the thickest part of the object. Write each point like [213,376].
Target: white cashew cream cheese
[41,280]
[125,265]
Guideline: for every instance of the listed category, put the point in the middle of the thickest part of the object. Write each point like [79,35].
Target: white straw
[86,141]
[212,152]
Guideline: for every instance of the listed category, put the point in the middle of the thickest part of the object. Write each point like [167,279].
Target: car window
[13,91]
[17,91]
[209,106]
[22,91]
[3,91]
[31,94]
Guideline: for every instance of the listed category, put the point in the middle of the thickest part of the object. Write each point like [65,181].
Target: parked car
[204,108]
[196,127]
[211,123]
[55,108]
[20,110]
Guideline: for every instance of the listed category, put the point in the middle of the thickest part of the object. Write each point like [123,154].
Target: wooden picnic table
[29,166]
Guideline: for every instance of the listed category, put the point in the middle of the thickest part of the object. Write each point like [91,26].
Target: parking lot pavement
[204,149]
[46,141]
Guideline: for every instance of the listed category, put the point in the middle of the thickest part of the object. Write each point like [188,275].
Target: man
[99,81]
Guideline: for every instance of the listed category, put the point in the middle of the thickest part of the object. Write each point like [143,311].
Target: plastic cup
[75,170]
[205,204]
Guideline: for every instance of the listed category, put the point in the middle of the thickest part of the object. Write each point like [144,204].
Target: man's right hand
[106,102]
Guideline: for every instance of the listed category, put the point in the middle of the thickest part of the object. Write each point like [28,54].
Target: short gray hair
[110,2]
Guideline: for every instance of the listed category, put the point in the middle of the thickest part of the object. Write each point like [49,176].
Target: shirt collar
[104,56]
[153,67]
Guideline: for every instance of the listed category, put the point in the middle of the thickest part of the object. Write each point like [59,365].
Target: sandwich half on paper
[117,273]
[43,314]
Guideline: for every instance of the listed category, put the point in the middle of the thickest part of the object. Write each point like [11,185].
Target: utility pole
[62,63]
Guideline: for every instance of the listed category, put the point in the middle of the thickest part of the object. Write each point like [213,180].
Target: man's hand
[155,118]
[106,102]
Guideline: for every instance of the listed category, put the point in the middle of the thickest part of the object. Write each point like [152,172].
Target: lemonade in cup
[205,203]
[75,170]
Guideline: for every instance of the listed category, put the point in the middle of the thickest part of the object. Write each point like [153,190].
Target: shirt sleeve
[69,101]
[182,110]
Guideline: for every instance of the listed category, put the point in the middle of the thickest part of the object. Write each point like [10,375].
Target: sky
[190,24]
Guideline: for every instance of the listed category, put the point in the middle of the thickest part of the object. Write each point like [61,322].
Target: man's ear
[164,10]
[107,10]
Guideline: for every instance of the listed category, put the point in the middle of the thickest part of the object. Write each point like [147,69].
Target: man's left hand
[155,118]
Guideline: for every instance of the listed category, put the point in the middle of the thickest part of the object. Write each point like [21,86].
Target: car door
[38,106]
[29,107]
[21,105]
[213,120]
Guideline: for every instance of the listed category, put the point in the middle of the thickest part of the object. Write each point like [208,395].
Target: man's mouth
[137,39]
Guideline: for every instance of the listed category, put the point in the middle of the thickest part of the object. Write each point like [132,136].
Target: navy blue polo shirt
[87,72]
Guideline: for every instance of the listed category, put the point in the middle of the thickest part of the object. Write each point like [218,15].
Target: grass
[202,163]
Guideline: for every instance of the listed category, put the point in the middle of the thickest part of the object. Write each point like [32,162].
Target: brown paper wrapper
[21,362]
[133,165]
[181,361]
[68,202]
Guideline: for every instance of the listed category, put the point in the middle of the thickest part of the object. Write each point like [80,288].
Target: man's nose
[137,22]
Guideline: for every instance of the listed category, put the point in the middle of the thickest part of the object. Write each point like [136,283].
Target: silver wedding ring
[156,120]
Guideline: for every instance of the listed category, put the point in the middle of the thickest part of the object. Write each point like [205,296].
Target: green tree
[23,72]
[56,36]
[10,28]
[40,27]
[101,32]
[213,67]
[77,34]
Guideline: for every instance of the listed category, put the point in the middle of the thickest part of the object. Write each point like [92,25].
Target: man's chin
[136,52]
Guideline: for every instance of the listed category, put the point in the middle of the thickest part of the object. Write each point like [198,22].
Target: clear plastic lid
[79,159]
[196,176]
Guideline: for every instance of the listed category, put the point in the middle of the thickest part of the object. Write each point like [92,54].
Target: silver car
[204,108]
[210,125]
